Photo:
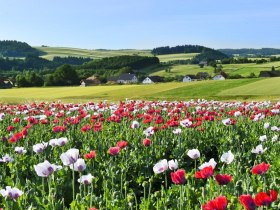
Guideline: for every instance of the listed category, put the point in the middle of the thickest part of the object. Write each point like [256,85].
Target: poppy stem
[165,180]
[73,182]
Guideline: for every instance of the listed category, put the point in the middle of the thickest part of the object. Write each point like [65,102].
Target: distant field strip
[220,90]
[64,52]
[179,56]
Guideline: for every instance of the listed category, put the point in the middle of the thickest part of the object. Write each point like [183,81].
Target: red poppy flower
[122,144]
[248,202]
[219,203]
[97,127]
[90,155]
[58,128]
[273,195]
[146,142]
[178,177]
[114,151]
[10,128]
[223,179]
[205,173]
[85,128]
[263,199]
[260,168]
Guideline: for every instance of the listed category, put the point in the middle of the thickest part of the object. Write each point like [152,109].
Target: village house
[152,79]
[6,83]
[189,78]
[90,81]
[126,78]
[218,77]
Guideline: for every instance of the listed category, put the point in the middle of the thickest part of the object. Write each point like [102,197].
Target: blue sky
[145,24]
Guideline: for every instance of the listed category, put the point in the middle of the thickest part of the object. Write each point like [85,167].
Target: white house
[152,79]
[127,78]
[187,79]
[147,80]
[219,77]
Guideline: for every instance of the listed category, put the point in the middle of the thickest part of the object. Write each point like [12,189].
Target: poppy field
[137,154]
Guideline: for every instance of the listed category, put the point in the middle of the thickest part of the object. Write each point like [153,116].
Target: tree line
[38,63]
[9,48]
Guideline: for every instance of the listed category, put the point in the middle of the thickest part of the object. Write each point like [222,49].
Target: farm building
[218,77]
[203,63]
[152,79]
[6,83]
[90,81]
[124,79]
[189,78]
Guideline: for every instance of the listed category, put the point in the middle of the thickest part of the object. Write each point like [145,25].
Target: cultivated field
[179,56]
[223,90]
[95,54]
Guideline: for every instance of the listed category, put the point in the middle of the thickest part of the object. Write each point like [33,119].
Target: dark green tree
[65,75]
[21,81]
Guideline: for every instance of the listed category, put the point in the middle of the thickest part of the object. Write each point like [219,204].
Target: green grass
[182,70]
[220,90]
[262,87]
[95,54]
[242,69]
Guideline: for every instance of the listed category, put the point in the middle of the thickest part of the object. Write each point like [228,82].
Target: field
[223,90]
[242,69]
[188,155]
[180,56]
[95,54]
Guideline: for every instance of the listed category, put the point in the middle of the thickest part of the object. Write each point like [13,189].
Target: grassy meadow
[242,69]
[243,89]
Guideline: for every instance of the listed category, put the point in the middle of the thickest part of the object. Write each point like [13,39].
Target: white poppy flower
[45,169]
[274,138]
[173,164]
[6,159]
[149,131]
[266,125]
[12,193]
[263,138]
[193,154]
[211,162]
[177,131]
[186,123]
[20,150]
[227,157]
[259,149]
[275,128]
[160,167]
[86,179]
[38,148]
[70,156]
[135,125]
[79,165]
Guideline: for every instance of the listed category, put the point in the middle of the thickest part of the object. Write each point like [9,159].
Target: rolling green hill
[220,90]
[233,69]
